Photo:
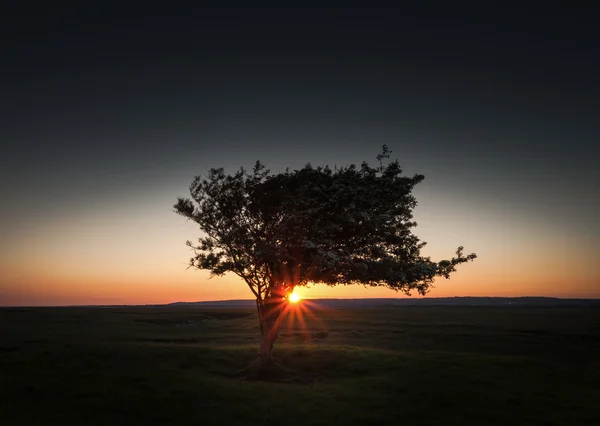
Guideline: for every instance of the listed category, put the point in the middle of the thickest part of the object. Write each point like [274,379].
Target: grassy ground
[425,366]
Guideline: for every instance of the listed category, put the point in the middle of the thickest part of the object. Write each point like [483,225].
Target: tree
[347,225]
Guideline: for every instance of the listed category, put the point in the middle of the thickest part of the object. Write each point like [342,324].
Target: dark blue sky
[103,107]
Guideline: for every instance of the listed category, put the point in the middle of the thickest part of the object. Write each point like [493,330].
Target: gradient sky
[108,114]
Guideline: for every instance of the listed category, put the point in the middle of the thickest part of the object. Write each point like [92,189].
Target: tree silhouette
[347,225]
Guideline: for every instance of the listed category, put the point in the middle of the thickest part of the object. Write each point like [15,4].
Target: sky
[106,115]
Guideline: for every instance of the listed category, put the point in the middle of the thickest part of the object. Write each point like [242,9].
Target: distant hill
[427,301]
[383,303]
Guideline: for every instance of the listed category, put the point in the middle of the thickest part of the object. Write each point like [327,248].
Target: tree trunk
[266,343]
[270,316]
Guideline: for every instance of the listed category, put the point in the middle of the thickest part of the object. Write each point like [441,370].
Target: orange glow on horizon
[128,265]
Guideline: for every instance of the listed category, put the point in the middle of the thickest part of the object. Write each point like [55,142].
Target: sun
[294,298]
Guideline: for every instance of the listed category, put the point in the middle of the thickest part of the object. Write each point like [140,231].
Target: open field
[405,366]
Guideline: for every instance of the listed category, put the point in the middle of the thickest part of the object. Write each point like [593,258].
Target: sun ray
[315,315]
[303,327]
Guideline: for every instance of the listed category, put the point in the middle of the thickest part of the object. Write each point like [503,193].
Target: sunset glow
[97,152]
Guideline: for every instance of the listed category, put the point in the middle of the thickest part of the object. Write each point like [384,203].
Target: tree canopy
[346,225]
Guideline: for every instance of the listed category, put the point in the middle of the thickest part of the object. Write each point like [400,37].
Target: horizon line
[306,298]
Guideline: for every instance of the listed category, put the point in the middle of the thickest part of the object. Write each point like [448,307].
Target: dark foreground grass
[425,366]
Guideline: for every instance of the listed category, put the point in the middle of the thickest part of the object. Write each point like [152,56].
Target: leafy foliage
[348,225]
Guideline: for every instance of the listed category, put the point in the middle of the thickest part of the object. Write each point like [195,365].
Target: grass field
[404,366]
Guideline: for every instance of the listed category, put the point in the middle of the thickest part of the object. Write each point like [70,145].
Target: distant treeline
[428,301]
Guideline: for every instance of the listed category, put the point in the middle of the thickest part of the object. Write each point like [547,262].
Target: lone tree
[347,225]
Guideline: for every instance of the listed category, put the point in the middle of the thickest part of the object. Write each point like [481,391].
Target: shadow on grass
[308,364]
